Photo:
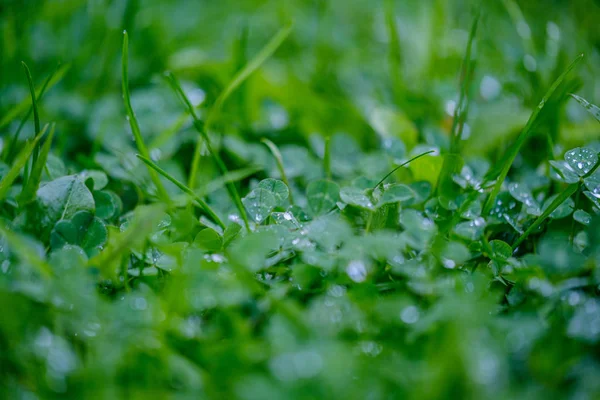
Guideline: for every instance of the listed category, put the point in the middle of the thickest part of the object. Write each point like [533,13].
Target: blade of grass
[395,52]
[22,106]
[327,157]
[400,166]
[237,80]
[461,110]
[185,189]
[248,70]
[201,128]
[572,188]
[592,109]
[20,162]
[279,160]
[36,114]
[122,242]
[135,128]
[8,153]
[29,190]
[501,172]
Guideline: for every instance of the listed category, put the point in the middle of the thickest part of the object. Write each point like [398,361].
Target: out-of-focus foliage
[426,284]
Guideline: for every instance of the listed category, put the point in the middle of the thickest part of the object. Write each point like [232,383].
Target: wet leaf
[322,196]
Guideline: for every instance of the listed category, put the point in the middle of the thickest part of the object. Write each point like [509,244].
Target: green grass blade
[33,183]
[23,106]
[400,166]
[248,70]
[36,114]
[553,206]
[592,109]
[176,86]
[327,157]
[135,128]
[501,172]
[461,110]
[8,153]
[185,189]
[19,163]
[395,51]
[279,160]
[201,128]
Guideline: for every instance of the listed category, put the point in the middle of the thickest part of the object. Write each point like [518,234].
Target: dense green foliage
[300,199]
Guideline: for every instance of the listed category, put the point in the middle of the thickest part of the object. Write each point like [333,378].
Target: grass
[345,209]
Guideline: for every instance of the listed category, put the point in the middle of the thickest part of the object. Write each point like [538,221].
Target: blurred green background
[365,68]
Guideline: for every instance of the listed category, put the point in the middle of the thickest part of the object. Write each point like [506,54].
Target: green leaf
[582,217]
[454,254]
[278,188]
[61,199]
[251,250]
[581,159]
[592,109]
[108,204]
[559,200]
[419,231]
[208,240]
[83,230]
[396,193]
[501,250]
[471,230]
[322,196]
[98,177]
[259,203]
[521,192]
[564,171]
[563,210]
[357,197]
[231,232]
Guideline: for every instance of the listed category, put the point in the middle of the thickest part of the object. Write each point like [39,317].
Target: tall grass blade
[279,160]
[395,52]
[36,114]
[19,163]
[553,206]
[185,189]
[201,128]
[504,165]
[248,70]
[8,152]
[22,106]
[33,182]
[461,110]
[135,128]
